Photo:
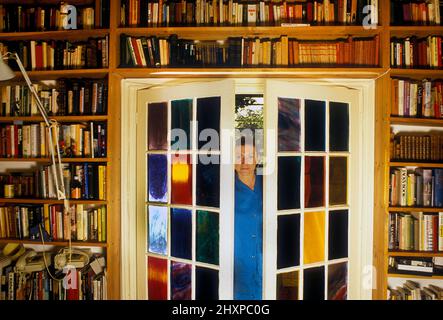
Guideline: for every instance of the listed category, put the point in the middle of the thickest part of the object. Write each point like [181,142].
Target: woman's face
[245,159]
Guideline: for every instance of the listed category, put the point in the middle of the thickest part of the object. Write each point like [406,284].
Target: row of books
[86,140]
[19,17]
[421,99]
[82,181]
[88,282]
[417,146]
[416,231]
[419,188]
[236,12]
[416,12]
[416,265]
[66,97]
[246,52]
[413,52]
[59,54]
[411,291]
[50,223]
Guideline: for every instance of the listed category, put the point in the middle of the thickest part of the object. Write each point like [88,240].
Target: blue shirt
[248,240]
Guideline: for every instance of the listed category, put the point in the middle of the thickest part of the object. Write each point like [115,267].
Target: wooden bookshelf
[407,276]
[416,121]
[415,254]
[414,209]
[46,160]
[416,164]
[57,243]
[51,201]
[57,118]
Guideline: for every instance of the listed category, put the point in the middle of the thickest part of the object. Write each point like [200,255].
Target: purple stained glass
[181,286]
[157,178]
[158,126]
[288,124]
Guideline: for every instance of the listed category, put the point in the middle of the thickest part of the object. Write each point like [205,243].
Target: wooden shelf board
[422,73]
[56,74]
[56,243]
[404,31]
[415,209]
[414,254]
[54,34]
[64,160]
[393,275]
[84,118]
[319,72]
[416,164]
[51,201]
[416,121]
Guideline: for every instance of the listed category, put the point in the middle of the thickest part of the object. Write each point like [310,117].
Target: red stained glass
[314,182]
[157,279]
[181,175]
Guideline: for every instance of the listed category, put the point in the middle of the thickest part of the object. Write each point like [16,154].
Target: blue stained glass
[158,230]
[157,178]
[181,233]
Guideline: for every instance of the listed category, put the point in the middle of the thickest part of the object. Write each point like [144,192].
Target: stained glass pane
[338,181]
[158,230]
[207,237]
[181,233]
[315,123]
[158,126]
[157,279]
[181,117]
[157,178]
[288,124]
[314,182]
[288,183]
[287,286]
[288,241]
[206,284]
[181,186]
[208,181]
[314,237]
[338,234]
[208,119]
[338,126]
[181,275]
[338,281]
[314,284]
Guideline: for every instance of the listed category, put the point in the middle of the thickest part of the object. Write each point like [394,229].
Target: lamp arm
[52,125]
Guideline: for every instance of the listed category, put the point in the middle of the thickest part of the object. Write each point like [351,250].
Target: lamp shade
[5,72]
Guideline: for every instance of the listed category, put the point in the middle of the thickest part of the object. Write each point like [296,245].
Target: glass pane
[208,121]
[315,124]
[338,126]
[157,279]
[181,275]
[288,124]
[288,183]
[181,186]
[287,286]
[158,230]
[314,182]
[338,234]
[314,284]
[181,233]
[157,178]
[288,241]
[206,284]
[181,117]
[158,126]
[208,181]
[207,237]
[314,237]
[338,181]
[338,281]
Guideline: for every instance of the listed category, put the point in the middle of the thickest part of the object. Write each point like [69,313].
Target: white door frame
[366,94]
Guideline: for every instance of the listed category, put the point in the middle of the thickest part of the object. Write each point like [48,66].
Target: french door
[185,191]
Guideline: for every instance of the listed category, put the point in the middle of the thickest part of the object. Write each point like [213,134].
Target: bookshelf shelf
[421,73]
[58,118]
[414,209]
[44,160]
[56,243]
[414,254]
[412,276]
[418,30]
[69,73]
[54,34]
[416,121]
[416,164]
[52,201]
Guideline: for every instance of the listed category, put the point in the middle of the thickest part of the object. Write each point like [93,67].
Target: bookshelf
[115,74]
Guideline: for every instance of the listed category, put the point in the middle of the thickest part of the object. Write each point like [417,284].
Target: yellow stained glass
[314,237]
